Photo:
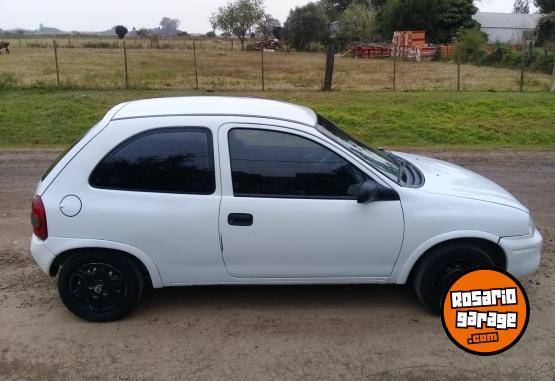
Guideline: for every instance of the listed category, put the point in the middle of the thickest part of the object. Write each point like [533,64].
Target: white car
[222,190]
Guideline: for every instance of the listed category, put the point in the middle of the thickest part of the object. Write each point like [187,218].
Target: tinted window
[269,163]
[163,160]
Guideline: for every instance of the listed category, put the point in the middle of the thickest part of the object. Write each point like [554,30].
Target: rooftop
[507,20]
[209,105]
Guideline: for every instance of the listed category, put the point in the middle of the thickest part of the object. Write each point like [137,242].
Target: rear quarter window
[167,160]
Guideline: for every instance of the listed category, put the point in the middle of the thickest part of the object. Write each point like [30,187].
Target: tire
[435,272]
[100,285]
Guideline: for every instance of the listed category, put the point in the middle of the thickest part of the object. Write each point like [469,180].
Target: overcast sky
[100,15]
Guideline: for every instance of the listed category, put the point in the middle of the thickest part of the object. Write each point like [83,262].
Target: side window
[171,160]
[276,164]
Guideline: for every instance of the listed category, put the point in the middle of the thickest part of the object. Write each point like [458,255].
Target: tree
[238,18]
[545,6]
[452,16]
[304,25]
[143,32]
[358,22]
[121,31]
[266,26]
[521,6]
[545,30]
[169,26]
[277,32]
[210,34]
[334,8]
[441,19]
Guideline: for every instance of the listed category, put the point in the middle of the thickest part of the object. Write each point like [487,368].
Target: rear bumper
[523,253]
[42,254]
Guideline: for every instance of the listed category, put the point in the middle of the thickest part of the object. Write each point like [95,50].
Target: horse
[4,45]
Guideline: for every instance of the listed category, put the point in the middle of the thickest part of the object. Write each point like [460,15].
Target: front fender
[407,259]
[59,245]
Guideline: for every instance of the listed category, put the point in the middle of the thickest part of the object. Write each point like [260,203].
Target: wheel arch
[68,249]
[485,240]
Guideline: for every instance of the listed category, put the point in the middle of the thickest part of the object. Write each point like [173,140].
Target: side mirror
[368,192]
[372,191]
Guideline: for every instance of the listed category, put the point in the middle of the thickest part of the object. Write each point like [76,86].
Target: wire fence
[219,64]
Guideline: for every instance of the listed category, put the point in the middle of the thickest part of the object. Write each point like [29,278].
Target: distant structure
[506,27]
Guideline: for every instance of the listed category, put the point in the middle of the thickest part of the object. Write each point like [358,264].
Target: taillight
[38,218]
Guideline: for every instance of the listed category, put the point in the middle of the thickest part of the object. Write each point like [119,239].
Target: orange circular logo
[485,311]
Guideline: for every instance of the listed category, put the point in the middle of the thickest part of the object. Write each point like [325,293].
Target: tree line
[365,20]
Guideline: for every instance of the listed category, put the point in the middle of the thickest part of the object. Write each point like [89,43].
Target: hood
[449,179]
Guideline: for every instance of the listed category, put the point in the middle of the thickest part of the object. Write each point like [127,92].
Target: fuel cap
[70,205]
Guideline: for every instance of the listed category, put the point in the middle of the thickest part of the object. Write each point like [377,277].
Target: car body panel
[452,180]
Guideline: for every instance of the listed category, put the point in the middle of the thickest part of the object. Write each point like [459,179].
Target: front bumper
[42,254]
[523,253]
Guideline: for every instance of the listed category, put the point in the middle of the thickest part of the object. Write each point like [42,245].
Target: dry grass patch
[222,69]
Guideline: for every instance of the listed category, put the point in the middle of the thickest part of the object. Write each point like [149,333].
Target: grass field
[219,68]
[54,118]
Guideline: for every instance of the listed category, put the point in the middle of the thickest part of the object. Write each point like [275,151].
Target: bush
[543,61]
[470,47]
[503,55]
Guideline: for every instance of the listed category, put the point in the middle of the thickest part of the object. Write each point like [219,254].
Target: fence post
[231,43]
[328,76]
[522,70]
[458,67]
[125,65]
[56,60]
[195,64]
[553,80]
[262,65]
[394,73]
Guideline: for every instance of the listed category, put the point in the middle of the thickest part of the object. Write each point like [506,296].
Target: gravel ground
[300,332]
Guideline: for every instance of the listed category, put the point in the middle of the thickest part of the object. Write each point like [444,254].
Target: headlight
[532,226]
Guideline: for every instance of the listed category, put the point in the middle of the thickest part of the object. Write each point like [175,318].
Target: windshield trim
[331,131]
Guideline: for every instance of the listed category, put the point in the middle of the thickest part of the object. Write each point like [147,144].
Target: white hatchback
[222,190]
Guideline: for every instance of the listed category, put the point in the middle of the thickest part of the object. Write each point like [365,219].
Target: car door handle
[239,219]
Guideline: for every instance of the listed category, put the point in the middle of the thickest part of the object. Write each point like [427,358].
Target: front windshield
[380,160]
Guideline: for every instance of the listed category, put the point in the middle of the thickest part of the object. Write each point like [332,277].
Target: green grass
[49,118]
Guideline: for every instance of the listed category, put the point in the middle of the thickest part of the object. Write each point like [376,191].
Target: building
[506,27]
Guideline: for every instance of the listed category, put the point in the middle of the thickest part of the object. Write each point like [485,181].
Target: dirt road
[283,332]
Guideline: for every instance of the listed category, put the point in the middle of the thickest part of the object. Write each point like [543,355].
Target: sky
[98,15]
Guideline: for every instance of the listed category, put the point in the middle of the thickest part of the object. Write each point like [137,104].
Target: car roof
[217,106]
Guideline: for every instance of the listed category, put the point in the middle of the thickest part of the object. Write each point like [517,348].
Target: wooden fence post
[522,64]
[328,76]
[195,64]
[231,43]
[56,60]
[125,65]
[394,73]
[458,67]
[553,80]
[262,65]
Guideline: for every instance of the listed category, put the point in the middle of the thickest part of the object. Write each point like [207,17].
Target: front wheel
[100,286]
[437,270]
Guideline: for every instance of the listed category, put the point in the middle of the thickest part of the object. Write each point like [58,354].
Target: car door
[289,209]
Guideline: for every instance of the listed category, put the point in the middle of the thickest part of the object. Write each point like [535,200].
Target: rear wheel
[100,286]
[437,270]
